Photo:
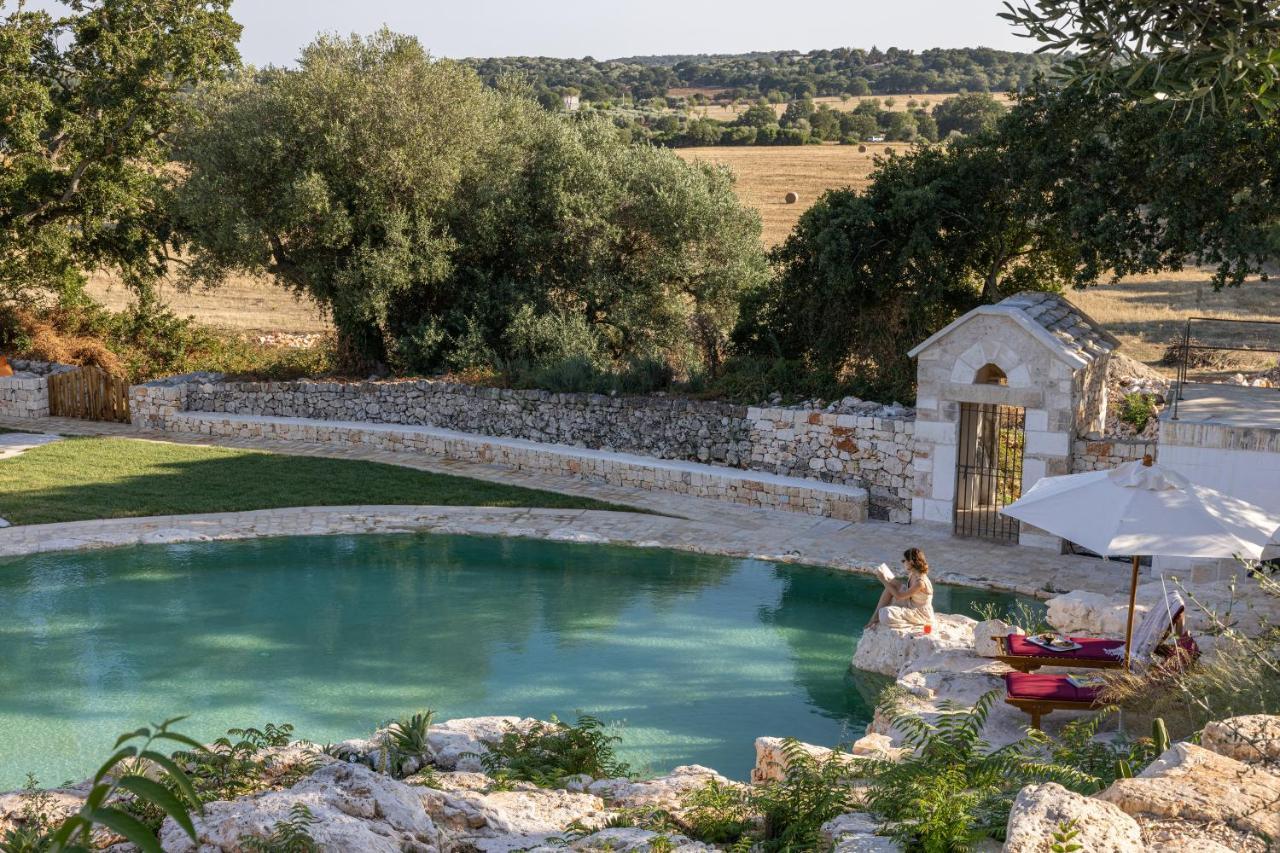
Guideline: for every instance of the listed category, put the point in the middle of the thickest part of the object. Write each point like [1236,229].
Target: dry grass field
[728,112]
[244,304]
[766,173]
[1148,313]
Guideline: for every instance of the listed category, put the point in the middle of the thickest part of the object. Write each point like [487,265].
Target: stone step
[770,491]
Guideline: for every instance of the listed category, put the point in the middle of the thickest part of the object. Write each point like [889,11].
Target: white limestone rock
[889,651]
[509,820]
[771,761]
[665,792]
[354,809]
[1191,783]
[1253,739]
[1092,614]
[631,840]
[855,832]
[986,633]
[1040,809]
[60,803]
[450,741]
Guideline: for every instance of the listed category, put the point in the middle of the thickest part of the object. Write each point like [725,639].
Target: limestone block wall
[1104,454]
[26,393]
[1044,386]
[872,450]
[665,427]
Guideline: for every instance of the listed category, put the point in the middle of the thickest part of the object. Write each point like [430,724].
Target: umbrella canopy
[1143,509]
[1147,510]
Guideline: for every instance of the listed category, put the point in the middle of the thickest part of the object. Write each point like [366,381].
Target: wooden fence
[90,394]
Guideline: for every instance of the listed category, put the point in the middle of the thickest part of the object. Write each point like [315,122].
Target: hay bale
[862,149]
[791,197]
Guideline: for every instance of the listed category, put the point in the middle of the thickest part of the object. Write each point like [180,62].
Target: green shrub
[136,772]
[548,752]
[1137,409]
[1031,618]
[30,831]
[716,813]
[952,789]
[813,791]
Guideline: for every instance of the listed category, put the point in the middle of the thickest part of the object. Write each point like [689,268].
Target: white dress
[916,612]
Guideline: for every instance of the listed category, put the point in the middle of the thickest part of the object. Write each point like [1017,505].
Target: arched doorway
[988,463]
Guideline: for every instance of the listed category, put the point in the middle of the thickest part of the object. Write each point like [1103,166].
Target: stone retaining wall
[665,427]
[875,452]
[847,503]
[1103,454]
[866,446]
[26,393]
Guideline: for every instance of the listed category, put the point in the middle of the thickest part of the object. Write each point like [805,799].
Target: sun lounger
[1023,655]
[1040,694]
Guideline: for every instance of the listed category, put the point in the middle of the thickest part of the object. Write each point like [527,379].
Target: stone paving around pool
[689,524]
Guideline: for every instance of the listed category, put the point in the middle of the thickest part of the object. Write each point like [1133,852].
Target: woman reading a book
[906,605]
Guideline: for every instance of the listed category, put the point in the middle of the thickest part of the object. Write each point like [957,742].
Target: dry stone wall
[665,427]
[862,445]
[1103,454]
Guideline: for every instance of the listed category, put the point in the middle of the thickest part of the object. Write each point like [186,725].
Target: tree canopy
[87,101]
[1207,55]
[429,213]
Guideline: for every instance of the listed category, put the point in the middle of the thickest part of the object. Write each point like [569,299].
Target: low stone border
[763,541]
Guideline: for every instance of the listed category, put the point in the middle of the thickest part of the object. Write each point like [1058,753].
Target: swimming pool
[694,656]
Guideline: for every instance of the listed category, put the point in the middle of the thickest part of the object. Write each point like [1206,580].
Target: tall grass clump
[1238,675]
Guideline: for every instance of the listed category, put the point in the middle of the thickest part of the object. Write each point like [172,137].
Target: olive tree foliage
[427,213]
[864,276]
[87,101]
[1136,191]
[1207,56]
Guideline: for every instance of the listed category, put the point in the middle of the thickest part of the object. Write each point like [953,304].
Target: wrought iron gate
[988,470]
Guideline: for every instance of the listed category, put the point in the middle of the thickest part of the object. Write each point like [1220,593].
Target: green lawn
[84,478]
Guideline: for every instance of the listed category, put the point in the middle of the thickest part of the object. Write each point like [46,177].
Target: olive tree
[426,212]
[1208,55]
[87,102]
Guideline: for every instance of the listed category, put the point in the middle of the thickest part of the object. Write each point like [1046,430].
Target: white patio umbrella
[1141,509]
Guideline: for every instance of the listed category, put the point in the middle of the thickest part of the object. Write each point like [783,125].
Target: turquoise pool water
[693,655]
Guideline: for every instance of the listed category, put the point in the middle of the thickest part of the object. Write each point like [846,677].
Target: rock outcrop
[889,651]
[1040,809]
[1253,739]
[501,820]
[665,792]
[855,832]
[353,808]
[1194,784]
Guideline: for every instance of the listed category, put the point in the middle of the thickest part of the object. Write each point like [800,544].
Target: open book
[1087,681]
[884,572]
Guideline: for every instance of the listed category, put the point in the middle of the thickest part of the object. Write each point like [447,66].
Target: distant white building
[571,102]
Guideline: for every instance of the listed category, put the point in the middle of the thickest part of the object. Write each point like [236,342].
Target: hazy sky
[274,30]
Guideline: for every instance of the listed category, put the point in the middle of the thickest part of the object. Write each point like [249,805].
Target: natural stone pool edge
[584,526]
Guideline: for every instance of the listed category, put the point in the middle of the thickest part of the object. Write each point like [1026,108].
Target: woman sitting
[909,605]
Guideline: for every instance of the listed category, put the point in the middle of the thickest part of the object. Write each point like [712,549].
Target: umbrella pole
[1133,597]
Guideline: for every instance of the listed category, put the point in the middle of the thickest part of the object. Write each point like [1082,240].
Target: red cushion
[1091,648]
[1030,685]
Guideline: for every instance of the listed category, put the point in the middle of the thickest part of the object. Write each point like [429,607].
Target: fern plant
[291,835]
[547,752]
[1064,838]
[813,791]
[715,813]
[952,789]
